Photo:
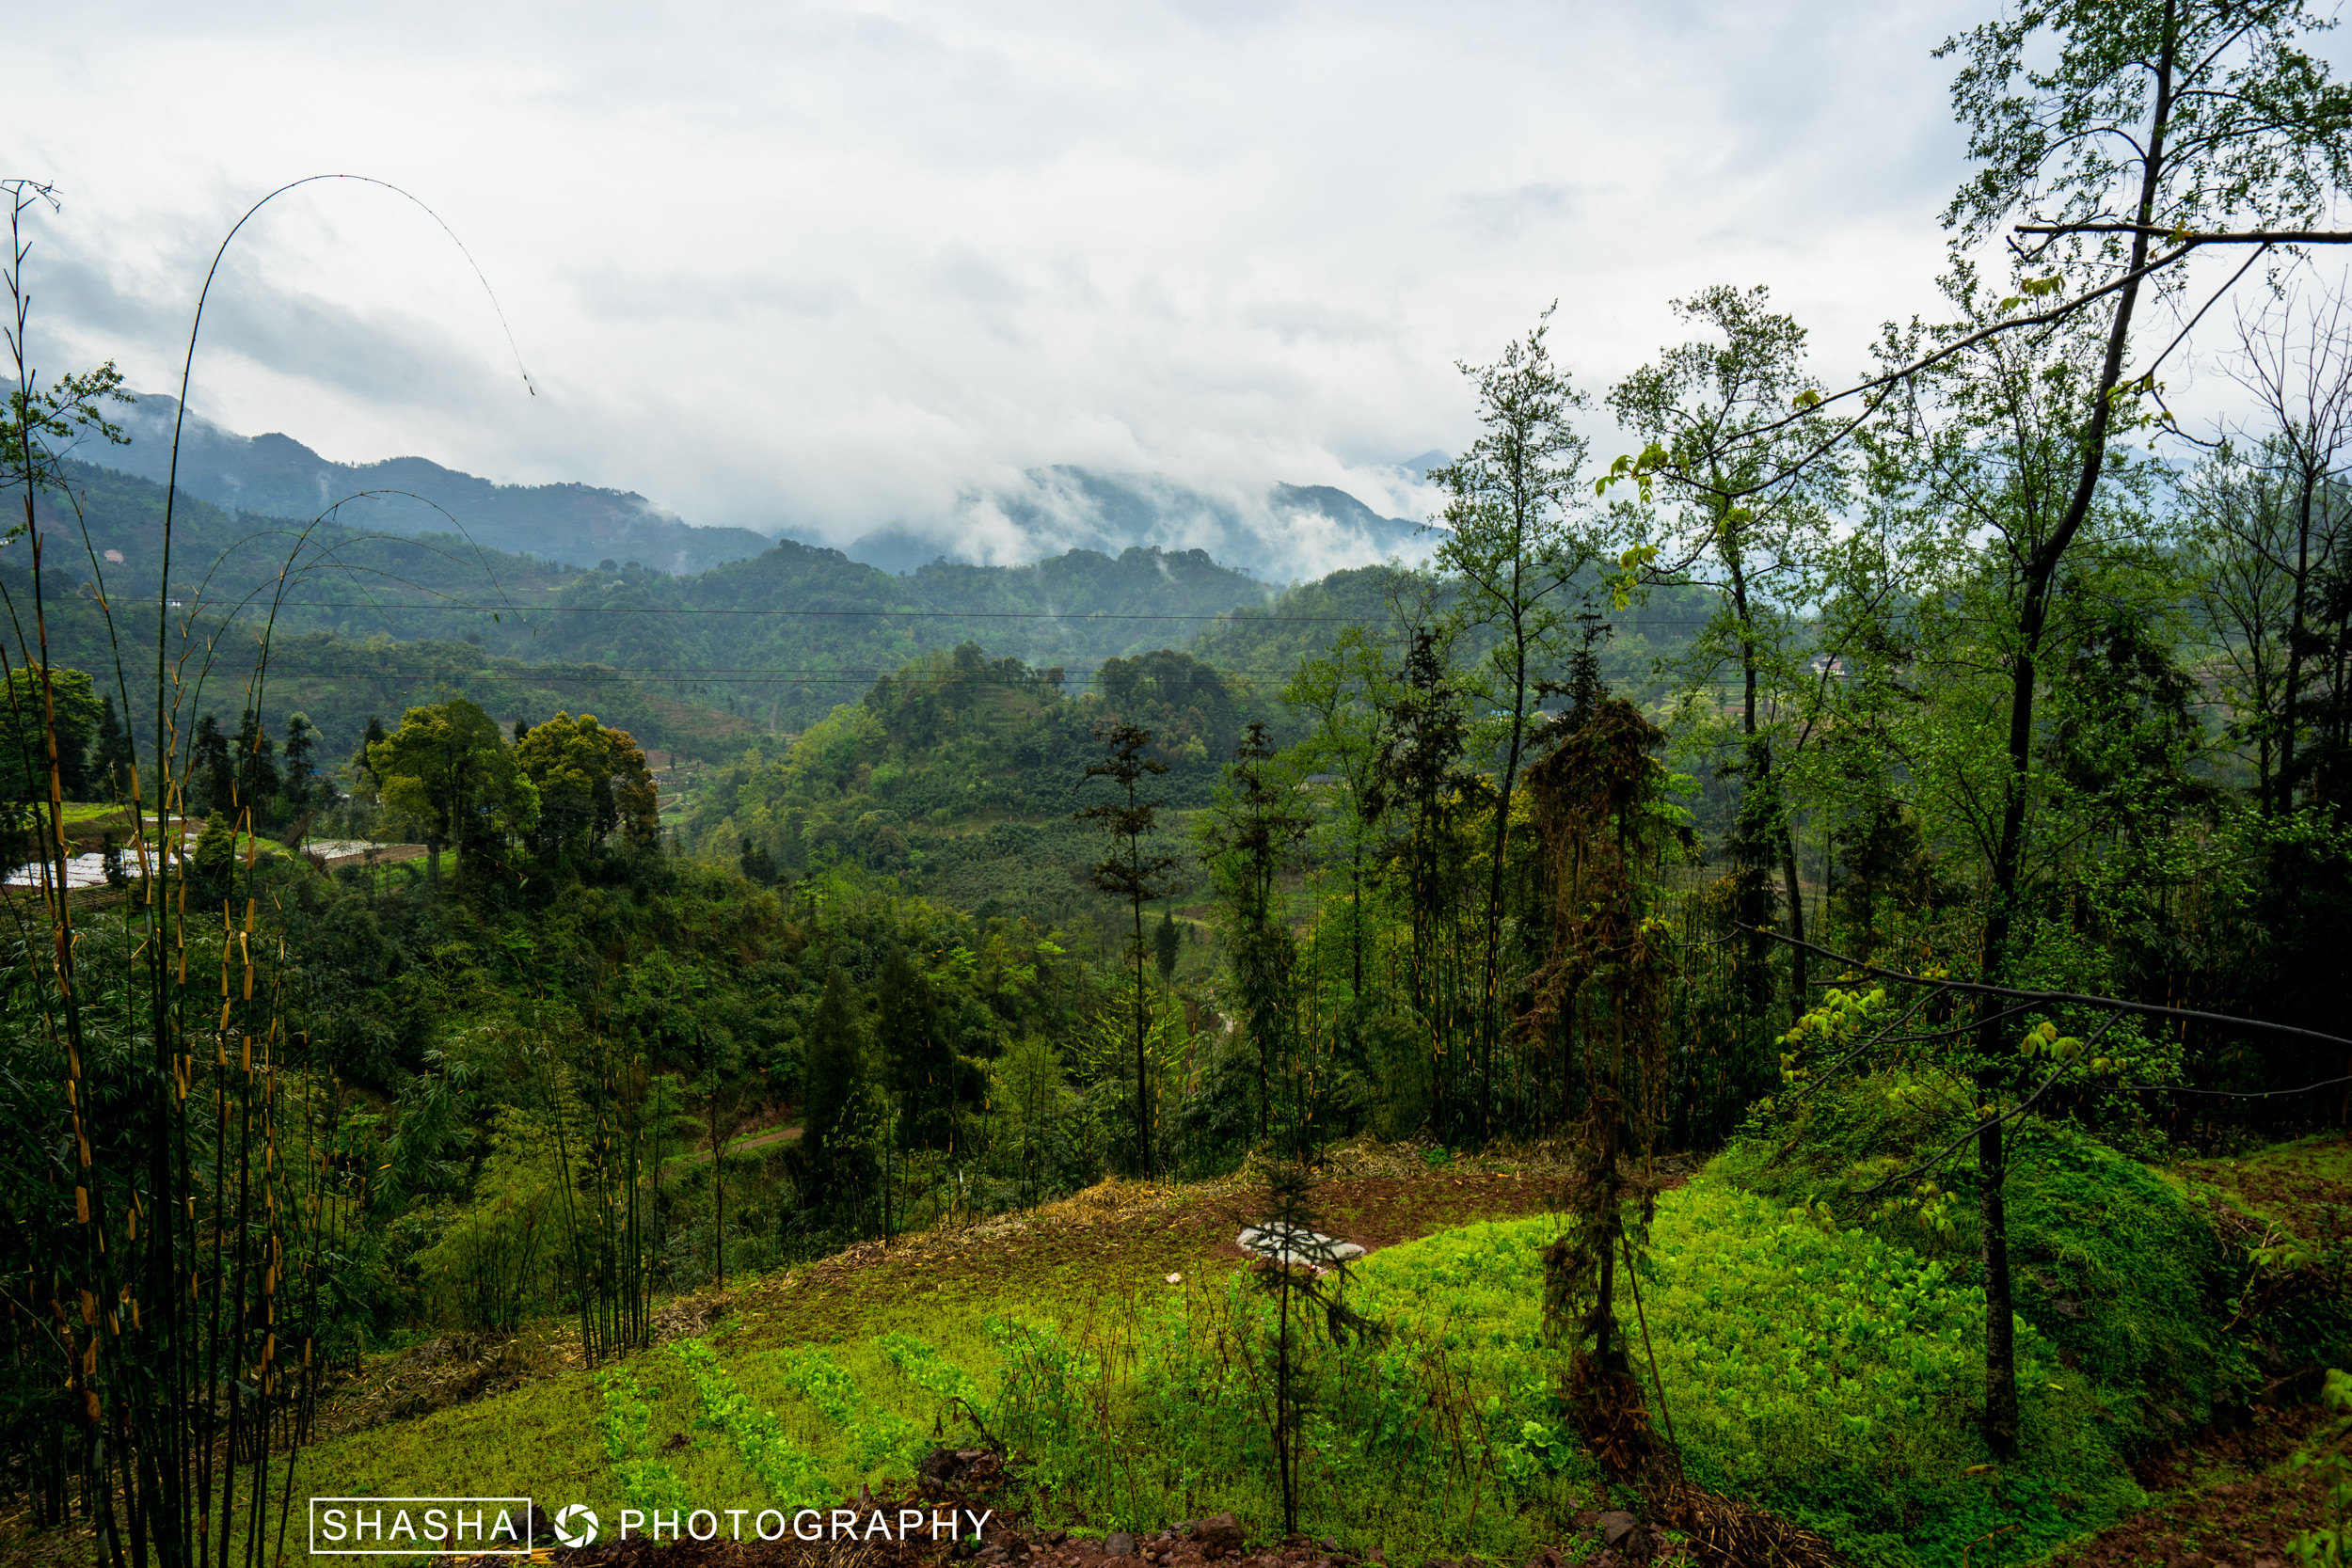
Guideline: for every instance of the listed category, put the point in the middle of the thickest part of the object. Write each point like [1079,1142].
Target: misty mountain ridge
[1292,533]
[278,476]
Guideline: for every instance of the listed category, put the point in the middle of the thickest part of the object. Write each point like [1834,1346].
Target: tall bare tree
[2295,357]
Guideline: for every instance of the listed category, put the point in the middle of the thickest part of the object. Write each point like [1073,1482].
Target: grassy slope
[1823,1372]
[1115,1242]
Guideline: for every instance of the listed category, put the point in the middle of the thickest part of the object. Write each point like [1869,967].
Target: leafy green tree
[2125,135]
[214,860]
[1251,837]
[212,768]
[300,790]
[448,768]
[2001,459]
[112,756]
[1420,785]
[258,780]
[1166,945]
[1509,516]
[919,1055]
[757,864]
[1343,691]
[1130,873]
[590,782]
[1027,1098]
[26,728]
[837,1158]
[1744,514]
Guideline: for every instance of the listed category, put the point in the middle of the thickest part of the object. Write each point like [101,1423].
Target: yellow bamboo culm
[81,1204]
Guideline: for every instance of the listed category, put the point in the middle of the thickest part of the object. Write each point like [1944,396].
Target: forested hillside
[360,623]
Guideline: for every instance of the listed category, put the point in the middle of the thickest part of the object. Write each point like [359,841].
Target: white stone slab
[1288,1244]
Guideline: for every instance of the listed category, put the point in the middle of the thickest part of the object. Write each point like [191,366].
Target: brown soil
[1119,1237]
[389,854]
[2295,1189]
[1008,1539]
[2232,1503]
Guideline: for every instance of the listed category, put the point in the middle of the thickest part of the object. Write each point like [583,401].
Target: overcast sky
[816,268]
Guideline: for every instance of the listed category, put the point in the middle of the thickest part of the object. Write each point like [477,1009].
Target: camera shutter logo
[575,1526]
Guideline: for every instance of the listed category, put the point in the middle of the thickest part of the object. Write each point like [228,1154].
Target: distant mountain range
[279,477]
[1291,532]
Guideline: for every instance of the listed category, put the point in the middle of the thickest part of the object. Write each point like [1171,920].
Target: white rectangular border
[422,1548]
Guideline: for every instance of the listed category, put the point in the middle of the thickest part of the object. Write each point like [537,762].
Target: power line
[744,678]
[1230,617]
[900,615]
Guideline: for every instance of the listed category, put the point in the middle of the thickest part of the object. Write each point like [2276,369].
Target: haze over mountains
[1289,533]
[279,477]
[1294,531]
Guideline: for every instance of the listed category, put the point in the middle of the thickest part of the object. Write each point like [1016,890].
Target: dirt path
[389,854]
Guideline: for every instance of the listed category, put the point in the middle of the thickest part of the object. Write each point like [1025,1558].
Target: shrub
[2131,1304]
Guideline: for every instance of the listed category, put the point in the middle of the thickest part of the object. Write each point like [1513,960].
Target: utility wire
[1232,617]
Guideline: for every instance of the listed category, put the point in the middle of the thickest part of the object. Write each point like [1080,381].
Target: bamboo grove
[187,1180]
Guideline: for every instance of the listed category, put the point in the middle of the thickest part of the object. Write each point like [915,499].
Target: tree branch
[2186,241]
[2116,1004]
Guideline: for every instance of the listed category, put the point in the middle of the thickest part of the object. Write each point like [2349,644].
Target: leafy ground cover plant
[2179,1312]
[874,1434]
[1127,1419]
[645,1481]
[2331,1460]
[1827,1373]
[792,1477]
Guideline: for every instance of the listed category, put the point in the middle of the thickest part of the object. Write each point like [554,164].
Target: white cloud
[825,267]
